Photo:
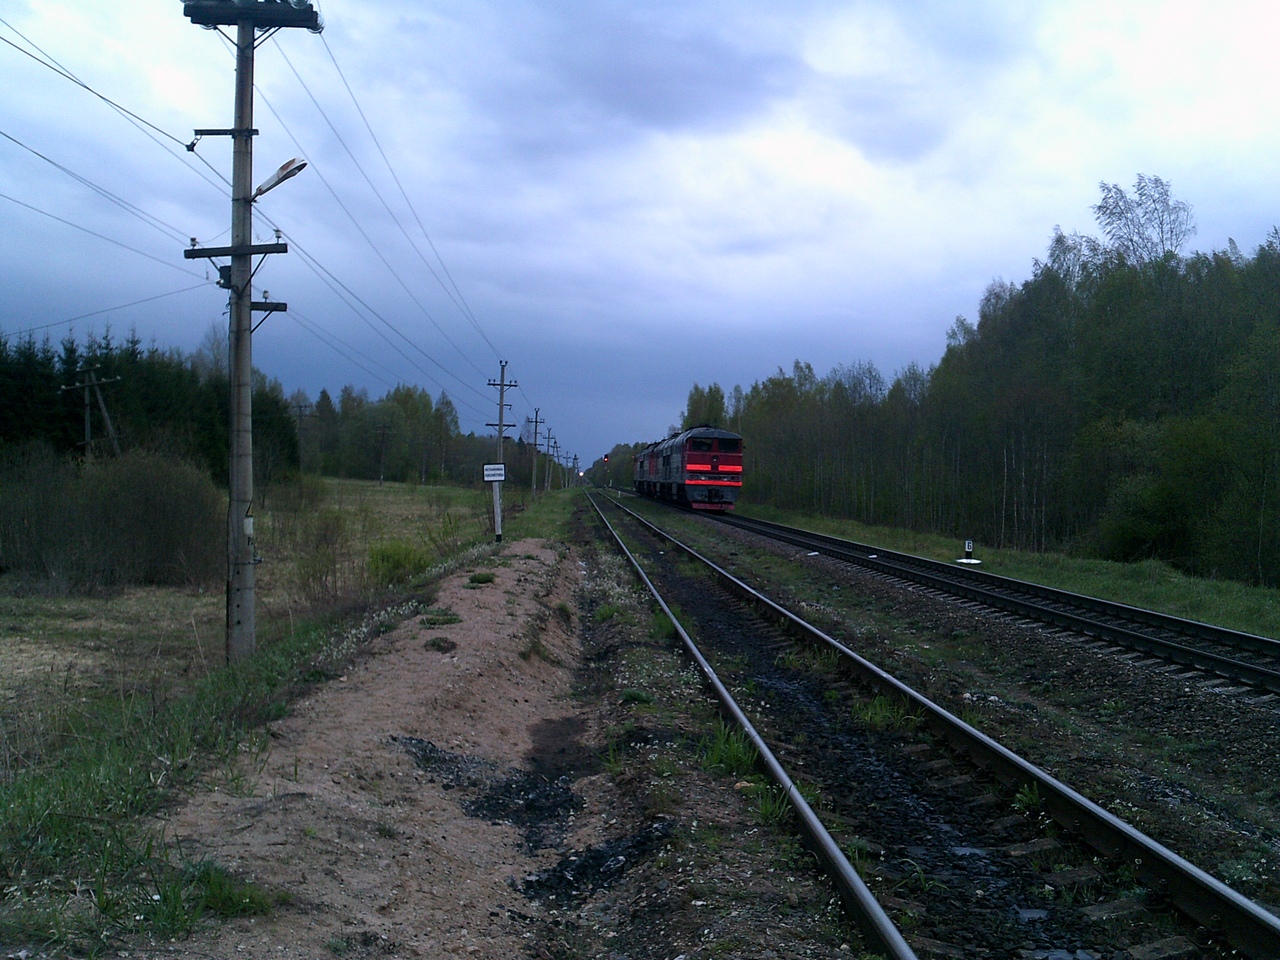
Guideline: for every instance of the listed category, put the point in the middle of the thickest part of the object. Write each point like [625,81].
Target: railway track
[944,851]
[1239,657]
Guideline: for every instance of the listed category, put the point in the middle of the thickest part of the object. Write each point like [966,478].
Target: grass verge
[1150,584]
[83,861]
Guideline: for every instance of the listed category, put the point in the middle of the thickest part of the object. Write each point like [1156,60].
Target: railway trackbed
[1231,654]
[927,825]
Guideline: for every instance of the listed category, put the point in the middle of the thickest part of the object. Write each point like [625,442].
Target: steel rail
[862,905]
[1247,926]
[1010,594]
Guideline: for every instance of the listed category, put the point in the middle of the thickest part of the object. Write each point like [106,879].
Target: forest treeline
[166,402]
[1123,402]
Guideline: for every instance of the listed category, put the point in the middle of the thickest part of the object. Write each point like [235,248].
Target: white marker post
[495,473]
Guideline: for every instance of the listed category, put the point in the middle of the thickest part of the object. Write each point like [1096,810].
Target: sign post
[495,473]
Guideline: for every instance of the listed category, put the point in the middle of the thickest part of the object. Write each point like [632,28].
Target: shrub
[138,519]
[320,541]
[397,561]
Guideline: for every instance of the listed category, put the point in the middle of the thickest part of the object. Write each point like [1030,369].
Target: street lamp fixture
[290,168]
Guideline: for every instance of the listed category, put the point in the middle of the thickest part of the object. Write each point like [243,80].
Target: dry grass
[70,647]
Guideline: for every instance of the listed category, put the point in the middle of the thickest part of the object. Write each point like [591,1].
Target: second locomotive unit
[700,468]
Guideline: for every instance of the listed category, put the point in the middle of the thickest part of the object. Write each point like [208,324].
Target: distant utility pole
[248,17]
[300,411]
[575,470]
[536,423]
[550,440]
[501,383]
[382,452]
[91,382]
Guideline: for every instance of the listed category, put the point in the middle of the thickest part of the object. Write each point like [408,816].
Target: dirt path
[375,855]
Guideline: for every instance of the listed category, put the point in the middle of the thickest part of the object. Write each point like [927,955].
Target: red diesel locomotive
[700,468]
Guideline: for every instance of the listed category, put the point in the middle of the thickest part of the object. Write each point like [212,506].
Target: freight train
[700,468]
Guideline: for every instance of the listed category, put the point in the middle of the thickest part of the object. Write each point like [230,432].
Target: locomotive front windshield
[721,444]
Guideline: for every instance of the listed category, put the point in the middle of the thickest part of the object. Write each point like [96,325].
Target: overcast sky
[630,197]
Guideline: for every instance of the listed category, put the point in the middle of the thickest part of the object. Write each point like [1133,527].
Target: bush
[397,561]
[139,519]
[320,543]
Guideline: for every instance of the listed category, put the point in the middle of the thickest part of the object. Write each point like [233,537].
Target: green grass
[546,516]
[728,751]
[438,617]
[74,837]
[398,561]
[883,713]
[772,807]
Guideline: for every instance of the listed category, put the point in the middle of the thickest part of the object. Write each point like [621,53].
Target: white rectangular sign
[494,472]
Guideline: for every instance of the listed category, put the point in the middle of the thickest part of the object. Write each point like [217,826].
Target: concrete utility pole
[536,423]
[248,16]
[501,383]
[550,440]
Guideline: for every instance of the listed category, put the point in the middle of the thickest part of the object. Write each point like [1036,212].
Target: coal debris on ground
[538,806]
[580,873]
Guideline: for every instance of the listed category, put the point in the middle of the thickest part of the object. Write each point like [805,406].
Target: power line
[331,280]
[376,249]
[50,63]
[380,255]
[94,233]
[66,74]
[149,219]
[334,284]
[460,301]
[94,313]
[153,132]
[328,339]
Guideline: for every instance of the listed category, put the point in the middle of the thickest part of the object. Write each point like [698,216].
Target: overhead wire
[148,128]
[333,341]
[377,193]
[153,131]
[167,229]
[100,236]
[381,256]
[95,313]
[460,300]
[455,296]
[351,299]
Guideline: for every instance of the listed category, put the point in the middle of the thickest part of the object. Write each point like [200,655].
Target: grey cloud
[589,76]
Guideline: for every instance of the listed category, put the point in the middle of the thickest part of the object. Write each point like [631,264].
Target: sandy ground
[375,856]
